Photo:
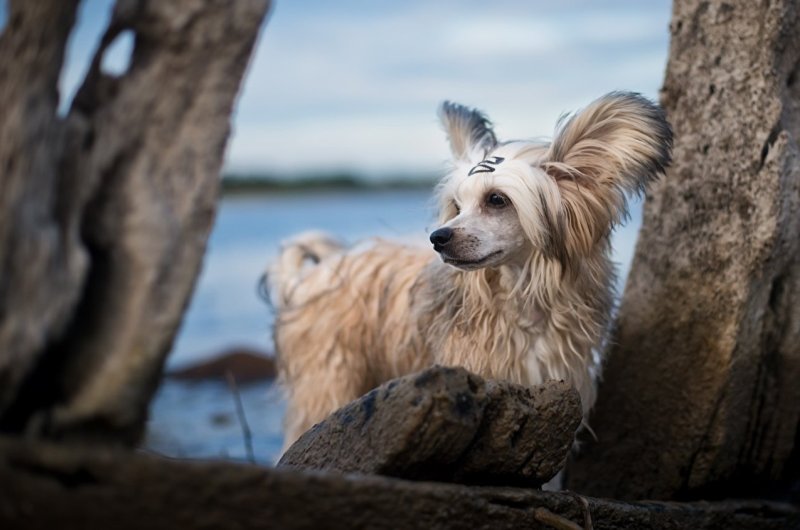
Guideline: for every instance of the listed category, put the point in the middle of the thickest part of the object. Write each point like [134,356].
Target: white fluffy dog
[523,285]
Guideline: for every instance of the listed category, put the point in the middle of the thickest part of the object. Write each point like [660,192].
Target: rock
[525,436]
[447,424]
[411,426]
[245,365]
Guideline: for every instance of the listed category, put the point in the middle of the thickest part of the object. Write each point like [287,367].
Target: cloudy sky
[353,85]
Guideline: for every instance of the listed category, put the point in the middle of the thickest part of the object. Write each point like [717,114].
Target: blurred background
[336,129]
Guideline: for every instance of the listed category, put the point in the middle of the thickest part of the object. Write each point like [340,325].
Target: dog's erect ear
[469,131]
[620,142]
[599,156]
[603,153]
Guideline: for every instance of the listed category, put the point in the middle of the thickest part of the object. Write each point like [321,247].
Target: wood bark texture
[700,396]
[104,212]
[49,486]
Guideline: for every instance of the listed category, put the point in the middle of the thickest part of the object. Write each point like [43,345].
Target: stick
[246,434]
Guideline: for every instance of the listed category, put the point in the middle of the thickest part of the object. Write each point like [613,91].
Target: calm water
[225,309]
[198,420]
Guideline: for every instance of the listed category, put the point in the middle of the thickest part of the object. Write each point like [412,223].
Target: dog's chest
[503,345]
[536,362]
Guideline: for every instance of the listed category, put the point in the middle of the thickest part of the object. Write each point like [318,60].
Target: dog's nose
[441,236]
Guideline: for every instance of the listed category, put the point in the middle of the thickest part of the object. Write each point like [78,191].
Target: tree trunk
[104,214]
[701,395]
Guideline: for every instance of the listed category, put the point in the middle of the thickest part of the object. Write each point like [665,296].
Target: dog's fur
[524,287]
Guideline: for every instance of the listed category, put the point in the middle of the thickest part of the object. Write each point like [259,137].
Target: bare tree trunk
[702,390]
[41,264]
[105,213]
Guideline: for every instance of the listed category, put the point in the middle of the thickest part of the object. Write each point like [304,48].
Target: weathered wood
[41,261]
[48,486]
[700,394]
[106,212]
[449,425]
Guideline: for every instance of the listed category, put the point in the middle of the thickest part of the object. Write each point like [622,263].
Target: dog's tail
[285,272]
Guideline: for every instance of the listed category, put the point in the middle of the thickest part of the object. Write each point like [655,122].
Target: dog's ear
[603,153]
[469,132]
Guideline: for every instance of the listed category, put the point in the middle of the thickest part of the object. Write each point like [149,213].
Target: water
[225,309]
[199,420]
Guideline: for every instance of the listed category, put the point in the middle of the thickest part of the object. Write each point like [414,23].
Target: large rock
[525,436]
[447,424]
[700,395]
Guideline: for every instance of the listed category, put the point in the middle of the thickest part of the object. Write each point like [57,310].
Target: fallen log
[58,486]
[449,425]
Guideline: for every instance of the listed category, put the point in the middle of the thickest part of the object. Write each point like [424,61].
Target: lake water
[226,309]
[198,420]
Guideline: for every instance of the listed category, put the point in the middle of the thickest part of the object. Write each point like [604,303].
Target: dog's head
[504,202]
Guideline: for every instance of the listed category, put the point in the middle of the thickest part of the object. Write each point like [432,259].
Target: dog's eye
[495,200]
[456,207]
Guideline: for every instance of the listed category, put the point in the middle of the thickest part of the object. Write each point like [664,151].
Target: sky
[354,85]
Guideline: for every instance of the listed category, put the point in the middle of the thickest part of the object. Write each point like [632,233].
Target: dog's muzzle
[441,238]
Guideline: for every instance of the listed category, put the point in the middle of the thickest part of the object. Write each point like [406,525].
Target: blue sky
[353,85]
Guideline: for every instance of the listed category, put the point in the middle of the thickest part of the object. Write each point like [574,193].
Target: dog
[523,285]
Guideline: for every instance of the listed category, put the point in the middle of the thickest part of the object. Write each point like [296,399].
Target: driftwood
[104,213]
[700,395]
[447,424]
[49,486]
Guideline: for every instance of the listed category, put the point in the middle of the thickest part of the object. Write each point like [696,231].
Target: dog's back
[344,321]
[297,255]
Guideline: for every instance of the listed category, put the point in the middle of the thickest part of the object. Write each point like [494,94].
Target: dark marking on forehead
[487,166]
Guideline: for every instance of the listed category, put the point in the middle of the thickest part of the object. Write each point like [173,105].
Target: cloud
[381,144]
[355,84]
[358,88]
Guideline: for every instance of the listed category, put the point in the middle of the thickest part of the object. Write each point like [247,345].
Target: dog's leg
[321,388]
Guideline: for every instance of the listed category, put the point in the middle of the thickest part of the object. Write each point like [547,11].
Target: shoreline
[232,185]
